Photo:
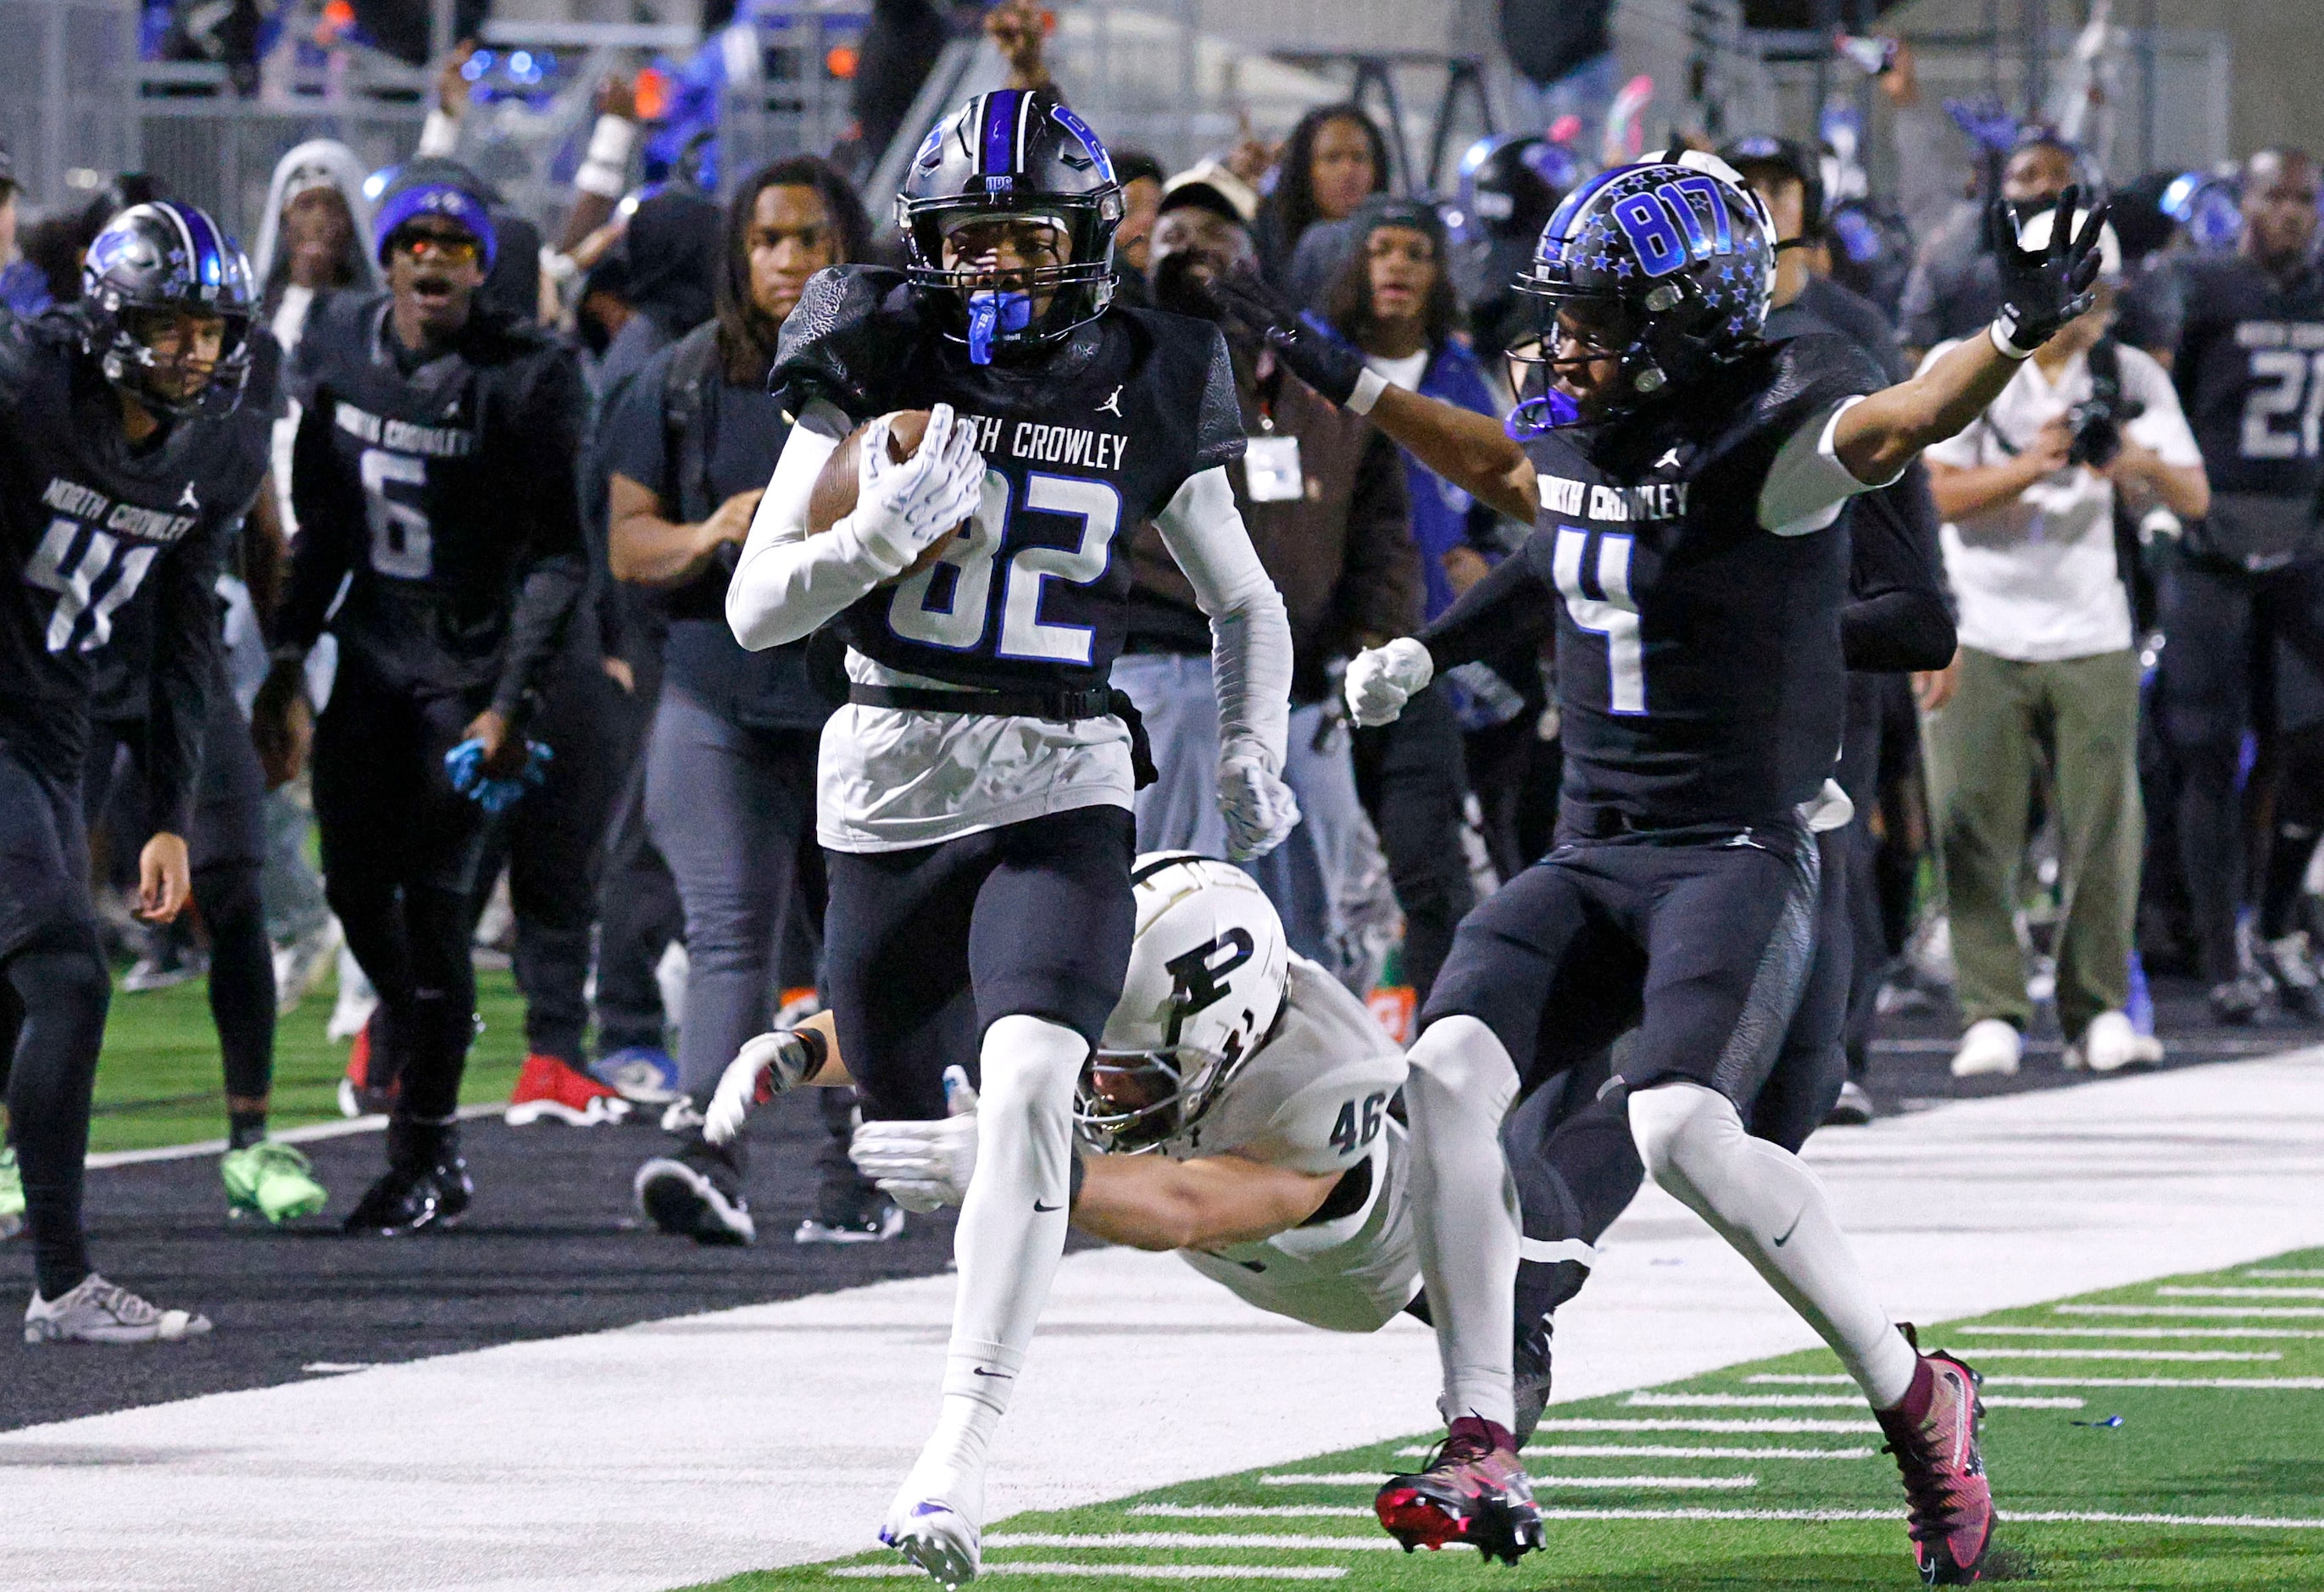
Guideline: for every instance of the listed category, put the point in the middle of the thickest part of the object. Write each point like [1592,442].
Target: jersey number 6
[400,544]
[956,621]
[1610,612]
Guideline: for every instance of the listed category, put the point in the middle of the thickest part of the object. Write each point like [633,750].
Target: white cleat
[97,1311]
[1990,1049]
[939,1528]
[2109,1044]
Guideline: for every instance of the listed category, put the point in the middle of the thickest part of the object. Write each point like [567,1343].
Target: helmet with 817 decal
[1668,266]
[1012,170]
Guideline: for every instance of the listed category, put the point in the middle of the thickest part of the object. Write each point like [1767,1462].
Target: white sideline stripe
[1775,1426]
[2047,1517]
[2125,1354]
[296,1136]
[334,1367]
[2284,1271]
[1652,1400]
[1177,1539]
[2259,1383]
[2239,1293]
[2279,1311]
[1657,1451]
[1142,1572]
[2140,1332]
[1677,1484]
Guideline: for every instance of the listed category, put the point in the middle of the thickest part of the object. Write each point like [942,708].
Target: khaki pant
[1985,750]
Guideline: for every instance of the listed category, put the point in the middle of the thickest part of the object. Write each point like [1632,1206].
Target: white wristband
[1368,387]
[2005,348]
[439,135]
[606,166]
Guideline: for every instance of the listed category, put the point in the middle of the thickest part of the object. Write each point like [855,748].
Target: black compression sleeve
[1510,608]
[186,669]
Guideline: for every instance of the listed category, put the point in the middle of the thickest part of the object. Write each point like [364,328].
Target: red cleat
[359,1094]
[1473,1490]
[549,1088]
[1951,1519]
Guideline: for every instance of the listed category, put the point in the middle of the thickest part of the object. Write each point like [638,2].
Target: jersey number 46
[949,603]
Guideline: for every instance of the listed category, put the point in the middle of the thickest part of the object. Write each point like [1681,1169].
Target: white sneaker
[97,1311]
[937,1522]
[2109,1044]
[1991,1048]
[357,1000]
[300,966]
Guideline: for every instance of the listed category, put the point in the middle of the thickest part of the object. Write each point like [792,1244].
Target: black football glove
[2043,289]
[1322,361]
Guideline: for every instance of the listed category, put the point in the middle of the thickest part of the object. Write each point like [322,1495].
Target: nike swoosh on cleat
[1046,1210]
[1785,1235]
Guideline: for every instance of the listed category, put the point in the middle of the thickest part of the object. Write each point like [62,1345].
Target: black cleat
[850,1209]
[1531,1379]
[2236,1001]
[1474,1491]
[697,1194]
[411,1199]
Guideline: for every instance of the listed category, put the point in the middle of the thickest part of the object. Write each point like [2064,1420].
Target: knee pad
[1459,1058]
[1681,1129]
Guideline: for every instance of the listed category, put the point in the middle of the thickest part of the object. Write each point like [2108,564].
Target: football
[833,496]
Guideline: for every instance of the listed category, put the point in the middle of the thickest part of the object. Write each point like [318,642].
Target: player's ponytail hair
[747,334]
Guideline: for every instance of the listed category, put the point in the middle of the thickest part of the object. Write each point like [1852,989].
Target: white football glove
[1260,808]
[762,1068]
[902,508]
[1383,680]
[922,1165]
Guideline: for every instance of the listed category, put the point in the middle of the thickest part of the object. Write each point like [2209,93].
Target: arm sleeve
[329,519]
[1510,606]
[788,584]
[1899,617]
[1250,637]
[556,570]
[187,632]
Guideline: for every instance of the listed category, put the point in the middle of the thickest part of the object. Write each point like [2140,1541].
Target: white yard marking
[1180,1539]
[2052,1517]
[1655,1451]
[1135,1572]
[1252,1510]
[2125,1353]
[2279,1312]
[2246,1384]
[2239,1293]
[2283,1272]
[2138,1332]
[1773,1425]
[1655,1401]
[1372,1478]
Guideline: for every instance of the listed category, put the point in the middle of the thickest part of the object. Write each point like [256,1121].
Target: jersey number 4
[1601,603]
[91,578]
[401,545]
[2281,378]
[956,619]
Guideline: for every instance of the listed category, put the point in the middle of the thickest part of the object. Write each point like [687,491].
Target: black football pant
[1410,778]
[53,992]
[552,843]
[226,847]
[402,852]
[2217,621]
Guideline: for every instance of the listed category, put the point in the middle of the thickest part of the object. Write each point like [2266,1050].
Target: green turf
[159,1081]
[2243,1453]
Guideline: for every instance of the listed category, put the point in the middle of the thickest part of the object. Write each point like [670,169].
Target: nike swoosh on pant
[1045,1210]
[1784,1236]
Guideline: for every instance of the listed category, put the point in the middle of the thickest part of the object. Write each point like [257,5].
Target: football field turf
[2166,1435]
[159,1083]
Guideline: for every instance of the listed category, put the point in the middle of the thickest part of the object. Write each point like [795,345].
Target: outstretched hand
[2043,288]
[1322,361]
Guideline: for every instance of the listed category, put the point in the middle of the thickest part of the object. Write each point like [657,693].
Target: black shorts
[925,950]
[1702,946]
[44,903]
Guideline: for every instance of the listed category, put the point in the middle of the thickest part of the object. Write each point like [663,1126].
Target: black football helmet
[1668,264]
[1013,152]
[165,257]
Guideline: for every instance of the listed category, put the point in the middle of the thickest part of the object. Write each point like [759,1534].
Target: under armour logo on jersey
[187,500]
[1113,405]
